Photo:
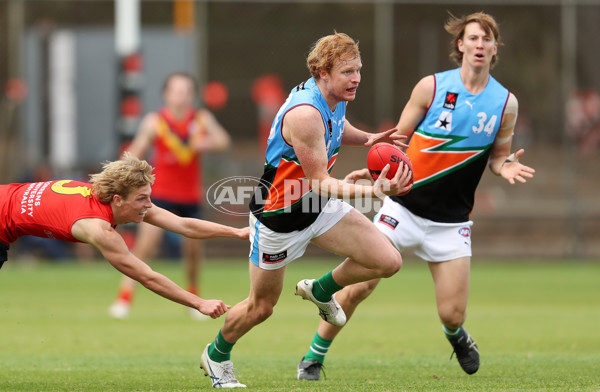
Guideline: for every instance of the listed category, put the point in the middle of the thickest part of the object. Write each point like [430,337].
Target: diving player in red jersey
[178,134]
[89,212]
[459,121]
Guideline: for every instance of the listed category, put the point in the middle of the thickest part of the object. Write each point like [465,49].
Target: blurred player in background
[76,211]
[298,202]
[178,134]
[459,122]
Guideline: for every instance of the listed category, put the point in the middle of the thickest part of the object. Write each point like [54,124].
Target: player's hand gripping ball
[381,154]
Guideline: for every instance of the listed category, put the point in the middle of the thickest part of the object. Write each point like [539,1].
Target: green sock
[325,287]
[318,349]
[220,349]
[450,332]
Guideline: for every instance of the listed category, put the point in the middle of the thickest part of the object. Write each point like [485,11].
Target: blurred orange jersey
[47,209]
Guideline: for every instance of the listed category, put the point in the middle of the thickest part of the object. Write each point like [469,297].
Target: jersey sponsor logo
[301,86]
[450,101]
[271,258]
[465,232]
[32,197]
[389,221]
[445,121]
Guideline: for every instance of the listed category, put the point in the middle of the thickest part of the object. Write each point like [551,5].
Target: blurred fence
[548,61]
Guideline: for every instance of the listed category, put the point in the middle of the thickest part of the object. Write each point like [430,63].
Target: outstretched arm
[355,137]
[191,227]
[101,235]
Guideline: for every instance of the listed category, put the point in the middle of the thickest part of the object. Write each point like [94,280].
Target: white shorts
[432,241]
[271,250]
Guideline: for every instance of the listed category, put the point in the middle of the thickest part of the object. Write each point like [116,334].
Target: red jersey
[47,209]
[176,164]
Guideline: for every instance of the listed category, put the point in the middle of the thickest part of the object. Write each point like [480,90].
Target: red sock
[125,295]
[193,290]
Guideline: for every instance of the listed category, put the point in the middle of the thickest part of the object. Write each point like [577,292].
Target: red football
[381,154]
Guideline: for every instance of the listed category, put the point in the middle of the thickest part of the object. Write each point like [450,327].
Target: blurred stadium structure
[62,105]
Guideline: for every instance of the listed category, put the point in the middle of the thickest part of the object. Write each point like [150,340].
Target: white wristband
[511,158]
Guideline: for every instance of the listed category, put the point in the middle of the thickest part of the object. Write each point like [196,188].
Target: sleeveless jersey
[178,174]
[283,200]
[450,148]
[48,209]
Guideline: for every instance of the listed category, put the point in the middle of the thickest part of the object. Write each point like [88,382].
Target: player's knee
[260,312]
[392,264]
[452,317]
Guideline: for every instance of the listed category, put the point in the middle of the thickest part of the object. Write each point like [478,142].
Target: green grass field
[536,325]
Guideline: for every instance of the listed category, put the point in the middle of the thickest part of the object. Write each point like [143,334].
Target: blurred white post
[63,101]
[130,67]
[127,26]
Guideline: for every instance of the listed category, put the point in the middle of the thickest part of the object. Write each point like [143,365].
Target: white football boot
[221,373]
[330,311]
[119,309]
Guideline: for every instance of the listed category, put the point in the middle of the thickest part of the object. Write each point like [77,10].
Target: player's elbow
[147,280]
[145,276]
[197,229]
[188,227]
[226,142]
[221,142]
[324,186]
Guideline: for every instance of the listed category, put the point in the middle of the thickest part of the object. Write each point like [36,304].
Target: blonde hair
[121,177]
[456,27]
[328,49]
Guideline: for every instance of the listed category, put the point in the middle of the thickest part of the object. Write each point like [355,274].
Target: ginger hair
[329,49]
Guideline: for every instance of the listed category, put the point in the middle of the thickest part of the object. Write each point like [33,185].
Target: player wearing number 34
[89,212]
